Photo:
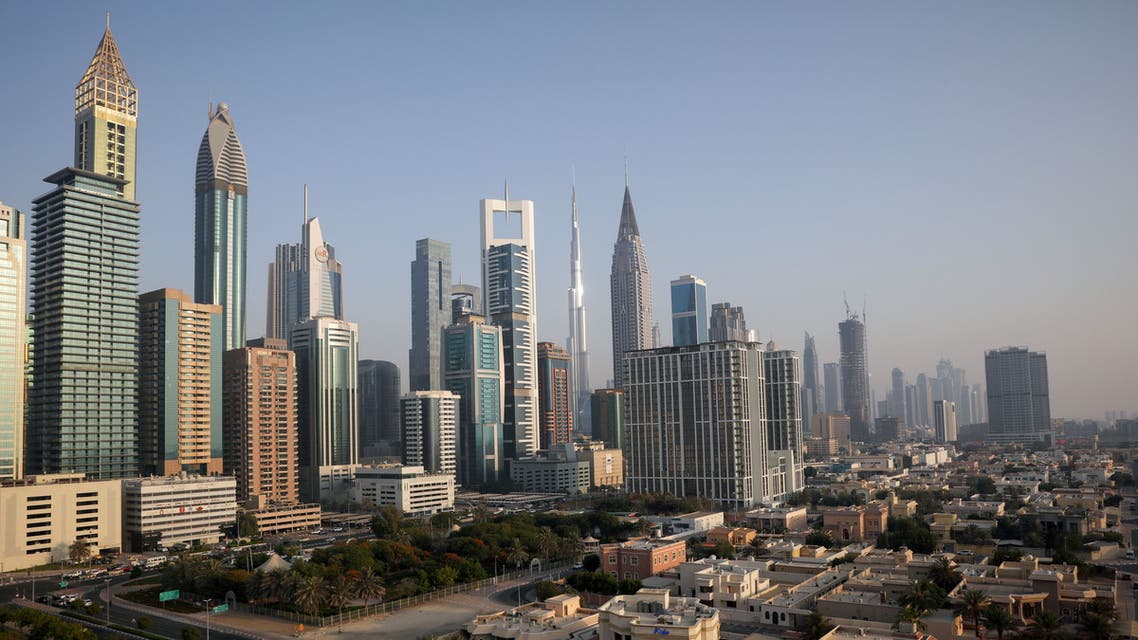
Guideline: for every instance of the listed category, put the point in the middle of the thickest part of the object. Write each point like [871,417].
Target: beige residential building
[863,522]
[179,384]
[651,613]
[832,425]
[777,519]
[408,488]
[44,515]
[558,618]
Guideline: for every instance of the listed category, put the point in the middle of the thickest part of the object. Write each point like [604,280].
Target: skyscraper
[1019,404]
[608,417]
[912,407]
[327,362]
[82,413]
[106,118]
[923,412]
[897,400]
[221,192]
[832,373]
[578,343]
[727,323]
[812,394]
[978,397]
[13,308]
[554,393]
[429,421]
[509,290]
[379,393]
[179,384]
[473,370]
[944,421]
[781,376]
[430,312]
[631,289]
[259,418]
[696,422]
[305,281]
[855,377]
[689,311]
[465,300]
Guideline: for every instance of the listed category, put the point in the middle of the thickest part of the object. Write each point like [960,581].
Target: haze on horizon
[968,168]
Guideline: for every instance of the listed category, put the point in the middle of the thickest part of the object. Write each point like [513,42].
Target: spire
[106,82]
[628,227]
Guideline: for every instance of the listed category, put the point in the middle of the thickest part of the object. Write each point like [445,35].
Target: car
[579,566]
[73,575]
[337,529]
[86,602]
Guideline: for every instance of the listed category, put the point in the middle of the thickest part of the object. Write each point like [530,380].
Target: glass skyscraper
[689,311]
[430,312]
[221,192]
[305,281]
[379,392]
[13,334]
[1019,399]
[472,369]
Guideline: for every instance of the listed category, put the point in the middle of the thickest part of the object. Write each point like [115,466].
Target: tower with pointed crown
[106,117]
[221,191]
[631,288]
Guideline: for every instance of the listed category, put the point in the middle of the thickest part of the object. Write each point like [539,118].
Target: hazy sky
[968,167]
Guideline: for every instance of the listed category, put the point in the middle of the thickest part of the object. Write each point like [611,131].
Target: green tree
[1096,627]
[547,590]
[370,586]
[924,595]
[546,542]
[341,591]
[310,594]
[1045,626]
[820,538]
[80,551]
[517,555]
[944,574]
[1104,608]
[247,525]
[971,605]
[999,619]
[912,615]
[815,625]
[591,562]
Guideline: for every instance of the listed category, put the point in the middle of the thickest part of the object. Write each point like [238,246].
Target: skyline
[684,151]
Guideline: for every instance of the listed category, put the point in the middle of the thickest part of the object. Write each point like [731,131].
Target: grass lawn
[149,597]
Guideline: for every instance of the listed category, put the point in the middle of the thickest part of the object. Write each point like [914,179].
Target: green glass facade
[82,403]
[472,369]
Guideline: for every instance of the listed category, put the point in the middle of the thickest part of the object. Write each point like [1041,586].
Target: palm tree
[924,595]
[815,625]
[370,585]
[80,551]
[998,617]
[1097,627]
[547,542]
[944,574]
[1045,626]
[310,594]
[912,615]
[1104,608]
[517,554]
[572,546]
[341,590]
[972,603]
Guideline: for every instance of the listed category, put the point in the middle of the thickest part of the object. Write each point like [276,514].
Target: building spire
[108,21]
[306,204]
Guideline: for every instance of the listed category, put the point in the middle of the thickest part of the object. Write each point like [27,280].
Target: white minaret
[577,344]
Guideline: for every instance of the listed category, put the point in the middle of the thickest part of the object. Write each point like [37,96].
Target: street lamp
[208,602]
[108,599]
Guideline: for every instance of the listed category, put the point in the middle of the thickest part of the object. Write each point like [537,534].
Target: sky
[965,170]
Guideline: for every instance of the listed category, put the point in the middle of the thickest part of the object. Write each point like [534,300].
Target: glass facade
[689,311]
[13,309]
[430,312]
[473,371]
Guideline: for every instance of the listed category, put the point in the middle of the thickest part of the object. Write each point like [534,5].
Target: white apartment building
[44,515]
[182,508]
[409,488]
[651,613]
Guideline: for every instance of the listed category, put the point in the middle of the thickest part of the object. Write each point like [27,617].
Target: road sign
[169,595]
[62,584]
[221,608]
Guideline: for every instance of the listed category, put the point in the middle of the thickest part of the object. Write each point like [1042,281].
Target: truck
[154,562]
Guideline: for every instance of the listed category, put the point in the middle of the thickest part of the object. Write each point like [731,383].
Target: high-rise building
[727,323]
[327,363]
[82,411]
[106,119]
[259,418]
[888,429]
[833,425]
[923,413]
[221,220]
[13,308]
[944,421]
[305,281]
[855,376]
[473,370]
[429,421]
[689,311]
[1019,404]
[608,417]
[430,312]
[897,399]
[964,404]
[979,415]
[832,373]
[696,422]
[631,290]
[509,291]
[465,300]
[578,343]
[179,384]
[554,393]
[911,406]
[813,400]
[379,391]
[781,376]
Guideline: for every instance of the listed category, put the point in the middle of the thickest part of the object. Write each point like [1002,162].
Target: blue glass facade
[689,311]
[472,369]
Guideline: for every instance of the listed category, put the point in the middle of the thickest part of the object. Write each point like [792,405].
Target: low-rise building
[974,508]
[275,519]
[777,519]
[43,515]
[689,522]
[182,508]
[551,474]
[558,618]
[862,522]
[720,583]
[734,536]
[408,488]
[639,559]
[651,613]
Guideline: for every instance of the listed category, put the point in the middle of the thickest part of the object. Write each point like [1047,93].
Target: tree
[1104,608]
[925,595]
[1096,627]
[247,525]
[972,603]
[815,625]
[591,562]
[1045,626]
[547,542]
[340,592]
[820,538]
[944,574]
[998,618]
[310,594]
[912,615]
[517,555]
[547,590]
[80,551]
[572,546]
[370,586]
